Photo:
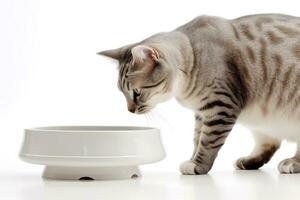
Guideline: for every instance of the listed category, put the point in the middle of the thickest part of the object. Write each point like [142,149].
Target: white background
[50,73]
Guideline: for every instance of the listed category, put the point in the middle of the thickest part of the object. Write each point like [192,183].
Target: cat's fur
[245,70]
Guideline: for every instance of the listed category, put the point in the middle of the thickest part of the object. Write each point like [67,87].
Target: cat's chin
[142,112]
[143,109]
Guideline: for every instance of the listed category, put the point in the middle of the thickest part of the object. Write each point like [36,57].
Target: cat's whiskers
[147,119]
[158,118]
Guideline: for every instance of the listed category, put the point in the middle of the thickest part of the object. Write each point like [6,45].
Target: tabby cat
[245,70]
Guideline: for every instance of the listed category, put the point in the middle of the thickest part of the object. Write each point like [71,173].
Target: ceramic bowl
[91,152]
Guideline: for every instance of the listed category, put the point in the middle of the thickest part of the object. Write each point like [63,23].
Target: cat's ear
[143,54]
[113,53]
[144,62]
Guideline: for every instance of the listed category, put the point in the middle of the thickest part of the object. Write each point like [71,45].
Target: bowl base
[91,173]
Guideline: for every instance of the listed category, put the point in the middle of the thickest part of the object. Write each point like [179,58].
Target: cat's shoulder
[204,23]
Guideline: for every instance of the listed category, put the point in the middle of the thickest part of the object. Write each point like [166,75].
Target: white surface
[50,75]
[223,185]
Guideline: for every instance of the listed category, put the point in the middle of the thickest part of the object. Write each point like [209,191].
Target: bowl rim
[92,129]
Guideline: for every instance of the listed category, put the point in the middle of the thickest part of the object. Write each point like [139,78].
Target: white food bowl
[91,152]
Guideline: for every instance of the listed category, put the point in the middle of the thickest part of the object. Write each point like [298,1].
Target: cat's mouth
[143,109]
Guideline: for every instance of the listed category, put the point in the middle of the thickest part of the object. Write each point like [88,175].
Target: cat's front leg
[197,132]
[219,116]
[187,166]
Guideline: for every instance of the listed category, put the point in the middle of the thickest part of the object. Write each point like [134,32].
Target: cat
[245,70]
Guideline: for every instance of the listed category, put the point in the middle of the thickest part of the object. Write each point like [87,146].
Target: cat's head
[145,76]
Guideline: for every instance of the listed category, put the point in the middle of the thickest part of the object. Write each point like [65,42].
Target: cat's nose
[131,108]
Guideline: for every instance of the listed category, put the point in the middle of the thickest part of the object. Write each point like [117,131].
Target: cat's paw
[238,164]
[248,163]
[190,168]
[289,166]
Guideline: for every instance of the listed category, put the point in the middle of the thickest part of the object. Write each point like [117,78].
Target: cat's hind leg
[264,149]
[290,165]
